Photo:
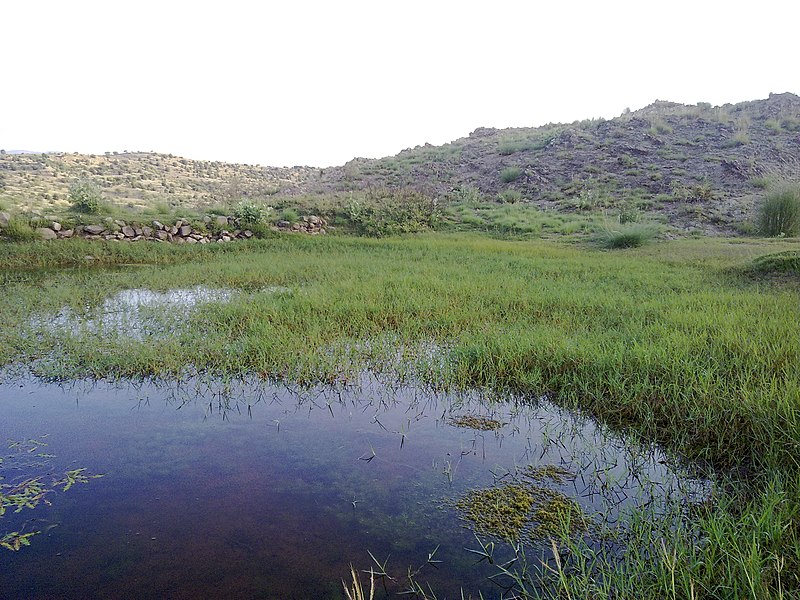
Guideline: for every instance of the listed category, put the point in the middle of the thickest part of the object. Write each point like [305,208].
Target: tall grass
[780,211]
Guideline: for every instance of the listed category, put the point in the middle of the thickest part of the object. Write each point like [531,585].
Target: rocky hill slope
[693,167]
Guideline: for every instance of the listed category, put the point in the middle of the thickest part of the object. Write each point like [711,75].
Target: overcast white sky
[318,83]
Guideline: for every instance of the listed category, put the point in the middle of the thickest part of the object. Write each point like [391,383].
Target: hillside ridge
[691,166]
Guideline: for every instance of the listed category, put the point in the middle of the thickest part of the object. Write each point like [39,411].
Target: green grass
[510,174]
[780,211]
[665,341]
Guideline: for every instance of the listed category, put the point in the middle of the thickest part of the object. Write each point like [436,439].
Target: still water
[252,490]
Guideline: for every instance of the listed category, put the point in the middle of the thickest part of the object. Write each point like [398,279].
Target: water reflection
[245,489]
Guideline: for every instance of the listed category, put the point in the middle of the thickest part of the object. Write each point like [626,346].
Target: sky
[319,83]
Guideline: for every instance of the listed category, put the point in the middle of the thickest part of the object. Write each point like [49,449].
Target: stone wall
[212,229]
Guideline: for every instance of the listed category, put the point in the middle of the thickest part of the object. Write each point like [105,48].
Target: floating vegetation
[523,511]
[476,422]
[554,473]
[28,489]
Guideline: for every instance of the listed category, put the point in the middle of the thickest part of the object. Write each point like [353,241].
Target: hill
[692,167]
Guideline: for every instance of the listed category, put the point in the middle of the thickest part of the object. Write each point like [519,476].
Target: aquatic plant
[30,490]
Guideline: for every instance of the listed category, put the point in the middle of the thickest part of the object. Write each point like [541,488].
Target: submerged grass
[661,340]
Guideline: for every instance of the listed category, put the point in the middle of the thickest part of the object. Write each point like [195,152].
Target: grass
[630,236]
[664,341]
[780,211]
[510,174]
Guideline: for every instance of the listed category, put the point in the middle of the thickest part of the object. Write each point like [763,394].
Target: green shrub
[85,197]
[510,174]
[390,212]
[779,214]
[251,213]
[289,214]
[18,230]
[510,196]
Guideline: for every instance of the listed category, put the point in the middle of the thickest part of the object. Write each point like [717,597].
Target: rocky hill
[694,167]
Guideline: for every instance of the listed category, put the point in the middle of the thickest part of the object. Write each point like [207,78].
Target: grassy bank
[681,343]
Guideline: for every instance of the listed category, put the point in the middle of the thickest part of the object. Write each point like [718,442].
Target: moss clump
[522,511]
[476,422]
[554,473]
[499,511]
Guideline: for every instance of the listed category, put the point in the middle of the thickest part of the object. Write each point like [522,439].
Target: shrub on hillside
[510,174]
[779,214]
[85,197]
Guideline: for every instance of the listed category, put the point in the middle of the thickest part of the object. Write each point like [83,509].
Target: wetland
[552,420]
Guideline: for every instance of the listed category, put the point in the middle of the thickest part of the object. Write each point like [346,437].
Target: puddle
[137,313]
[248,490]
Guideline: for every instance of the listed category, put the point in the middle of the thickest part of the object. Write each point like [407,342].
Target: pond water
[252,490]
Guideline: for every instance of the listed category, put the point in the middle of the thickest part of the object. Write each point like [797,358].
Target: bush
[510,174]
[250,213]
[510,196]
[85,197]
[18,230]
[779,214]
[391,212]
[289,214]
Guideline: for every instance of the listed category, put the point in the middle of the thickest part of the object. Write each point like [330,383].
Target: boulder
[55,226]
[66,233]
[128,231]
[184,230]
[94,229]
[4,219]
[46,233]
[221,221]
[158,225]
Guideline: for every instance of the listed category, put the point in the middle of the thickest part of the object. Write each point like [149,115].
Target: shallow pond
[253,490]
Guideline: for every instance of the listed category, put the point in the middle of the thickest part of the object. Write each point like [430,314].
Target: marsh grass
[660,341]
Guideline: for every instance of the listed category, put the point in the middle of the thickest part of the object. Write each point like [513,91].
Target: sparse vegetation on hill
[699,169]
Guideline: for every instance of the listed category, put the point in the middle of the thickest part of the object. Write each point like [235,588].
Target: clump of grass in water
[476,422]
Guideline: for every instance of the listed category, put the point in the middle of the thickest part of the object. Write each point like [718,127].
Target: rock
[147,231]
[247,233]
[4,219]
[46,233]
[94,229]
[66,233]
[55,226]
[184,230]
[120,223]
[226,238]
[206,219]
[173,230]
[314,219]
[158,225]
[128,231]
[162,235]
[221,221]
[284,224]
[191,240]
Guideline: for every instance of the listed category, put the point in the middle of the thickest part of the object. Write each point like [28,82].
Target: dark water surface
[258,491]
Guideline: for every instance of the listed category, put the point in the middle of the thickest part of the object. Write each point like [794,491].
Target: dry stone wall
[212,229]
